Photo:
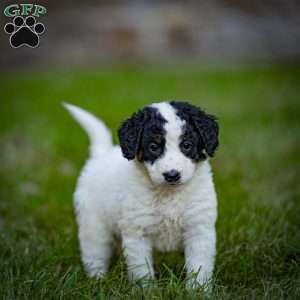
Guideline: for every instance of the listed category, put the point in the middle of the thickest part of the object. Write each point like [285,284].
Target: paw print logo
[24,32]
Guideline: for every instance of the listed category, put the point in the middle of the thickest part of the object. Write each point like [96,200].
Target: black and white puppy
[161,195]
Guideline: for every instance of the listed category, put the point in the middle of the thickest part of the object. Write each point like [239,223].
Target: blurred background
[238,60]
[212,32]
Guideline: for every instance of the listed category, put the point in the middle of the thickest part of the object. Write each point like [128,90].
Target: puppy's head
[169,139]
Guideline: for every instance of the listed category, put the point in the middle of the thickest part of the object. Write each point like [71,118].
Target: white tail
[99,134]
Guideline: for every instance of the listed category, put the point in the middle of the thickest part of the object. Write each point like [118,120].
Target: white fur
[127,199]
[97,131]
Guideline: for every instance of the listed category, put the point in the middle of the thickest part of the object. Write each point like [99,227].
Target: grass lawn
[256,174]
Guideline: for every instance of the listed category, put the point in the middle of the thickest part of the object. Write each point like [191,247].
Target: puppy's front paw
[146,282]
[94,270]
[195,282]
[95,273]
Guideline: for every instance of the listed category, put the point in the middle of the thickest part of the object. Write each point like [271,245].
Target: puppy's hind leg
[95,244]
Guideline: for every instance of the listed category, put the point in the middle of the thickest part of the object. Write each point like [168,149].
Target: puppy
[154,191]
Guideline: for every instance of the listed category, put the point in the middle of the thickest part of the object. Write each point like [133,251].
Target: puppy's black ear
[209,131]
[205,124]
[130,134]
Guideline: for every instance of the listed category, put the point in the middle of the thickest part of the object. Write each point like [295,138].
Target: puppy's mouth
[172,183]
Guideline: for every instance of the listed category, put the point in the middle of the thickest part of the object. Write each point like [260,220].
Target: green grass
[256,173]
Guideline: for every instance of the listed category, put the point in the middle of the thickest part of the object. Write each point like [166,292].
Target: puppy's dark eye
[186,145]
[153,147]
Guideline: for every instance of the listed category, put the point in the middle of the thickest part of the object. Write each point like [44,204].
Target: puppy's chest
[167,228]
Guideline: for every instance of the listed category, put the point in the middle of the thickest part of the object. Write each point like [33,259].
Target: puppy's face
[169,139]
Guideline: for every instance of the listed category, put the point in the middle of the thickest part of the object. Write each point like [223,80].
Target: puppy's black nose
[172,176]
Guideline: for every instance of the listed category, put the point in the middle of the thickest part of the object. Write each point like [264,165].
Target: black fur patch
[201,130]
[191,137]
[143,135]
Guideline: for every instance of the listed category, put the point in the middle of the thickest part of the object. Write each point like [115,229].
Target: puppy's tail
[99,134]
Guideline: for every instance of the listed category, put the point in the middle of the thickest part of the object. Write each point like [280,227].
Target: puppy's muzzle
[172,176]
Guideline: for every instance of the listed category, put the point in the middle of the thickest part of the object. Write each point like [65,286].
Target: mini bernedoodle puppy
[154,191]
